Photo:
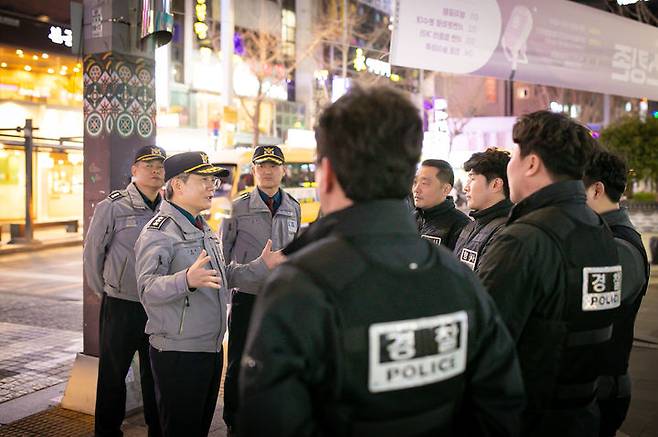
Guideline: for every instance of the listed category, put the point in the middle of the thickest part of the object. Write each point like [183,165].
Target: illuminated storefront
[40,80]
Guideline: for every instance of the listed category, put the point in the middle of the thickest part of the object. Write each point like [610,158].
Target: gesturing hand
[198,277]
[272,259]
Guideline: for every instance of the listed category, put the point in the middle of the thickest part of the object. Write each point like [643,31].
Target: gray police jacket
[109,256]
[180,319]
[251,224]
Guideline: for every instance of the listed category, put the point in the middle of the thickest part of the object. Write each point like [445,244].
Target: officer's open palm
[272,259]
[198,276]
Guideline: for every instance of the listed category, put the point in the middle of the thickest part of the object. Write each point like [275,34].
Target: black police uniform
[369,330]
[614,392]
[556,279]
[474,239]
[442,223]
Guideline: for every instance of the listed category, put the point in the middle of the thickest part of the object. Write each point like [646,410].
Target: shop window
[288,27]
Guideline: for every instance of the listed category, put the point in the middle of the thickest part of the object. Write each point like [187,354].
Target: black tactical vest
[471,241]
[576,337]
[618,352]
[401,353]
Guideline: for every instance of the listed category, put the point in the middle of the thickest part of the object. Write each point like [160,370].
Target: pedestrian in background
[367,329]
[183,284]
[555,275]
[109,268]
[436,216]
[605,180]
[267,213]
[487,195]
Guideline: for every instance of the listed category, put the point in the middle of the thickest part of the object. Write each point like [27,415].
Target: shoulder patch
[116,195]
[158,222]
[243,196]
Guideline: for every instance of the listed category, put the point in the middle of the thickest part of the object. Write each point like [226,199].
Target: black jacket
[442,221]
[309,367]
[542,270]
[474,239]
[635,279]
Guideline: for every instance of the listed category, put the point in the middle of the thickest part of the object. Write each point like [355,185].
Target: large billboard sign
[555,42]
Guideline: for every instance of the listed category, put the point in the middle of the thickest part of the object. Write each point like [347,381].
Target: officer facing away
[436,216]
[605,181]
[368,329]
[109,268]
[267,213]
[487,194]
[182,282]
[555,276]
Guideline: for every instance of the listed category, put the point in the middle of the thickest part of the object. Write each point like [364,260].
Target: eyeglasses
[211,182]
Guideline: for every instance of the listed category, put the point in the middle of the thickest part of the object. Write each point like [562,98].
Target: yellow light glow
[63,73]
[35,57]
[395,77]
[27,68]
[76,70]
[64,67]
[79,65]
[3,64]
[45,55]
[360,61]
[51,70]
[19,52]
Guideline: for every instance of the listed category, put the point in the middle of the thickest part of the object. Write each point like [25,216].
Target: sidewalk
[44,239]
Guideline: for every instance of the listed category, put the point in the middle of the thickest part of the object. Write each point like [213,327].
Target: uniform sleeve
[248,276]
[153,255]
[509,275]
[99,236]
[228,235]
[284,364]
[494,397]
[298,212]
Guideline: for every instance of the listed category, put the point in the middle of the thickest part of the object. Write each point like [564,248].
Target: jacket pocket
[186,304]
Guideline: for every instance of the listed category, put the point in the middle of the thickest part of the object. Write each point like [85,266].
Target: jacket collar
[435,211]
[571,192]
[500,209]
[135,198]
[618,217]
[168,209]
[256,202]
[377,217]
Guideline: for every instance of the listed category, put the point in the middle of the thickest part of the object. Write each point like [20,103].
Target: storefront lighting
[79,65]
[44,55]
[51,70]
[63,73]
[3,64]
[27,68]
[35,57]
[395,77]
[76,70]
[64,67]
[19,52]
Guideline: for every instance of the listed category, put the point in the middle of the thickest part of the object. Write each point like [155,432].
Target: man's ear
[133,170]
[599,189]
[497,185]
[447,188]
[533,164]
[328,175]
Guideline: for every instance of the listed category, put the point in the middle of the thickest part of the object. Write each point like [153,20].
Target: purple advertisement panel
[555,42]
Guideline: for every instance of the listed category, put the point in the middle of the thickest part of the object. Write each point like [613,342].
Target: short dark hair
[373,138]
[609,169]
[563,144]
[492,164]
[444,170]
[169,189]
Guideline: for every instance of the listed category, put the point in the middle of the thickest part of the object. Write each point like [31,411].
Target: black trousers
[121,335]
[242,305]
[186,389]
[613,414]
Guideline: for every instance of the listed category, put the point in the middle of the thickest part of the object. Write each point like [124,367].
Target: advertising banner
[557,42]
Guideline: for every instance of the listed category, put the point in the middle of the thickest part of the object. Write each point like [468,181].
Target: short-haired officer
[267,213]
[182,282]
[605,181]
[487,194]
[109,268]
[436,216]
[555,275]
[367,329]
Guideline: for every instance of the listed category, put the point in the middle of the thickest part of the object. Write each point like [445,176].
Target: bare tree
[273,61]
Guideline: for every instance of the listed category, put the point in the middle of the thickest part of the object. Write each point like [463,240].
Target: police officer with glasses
[183,284]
